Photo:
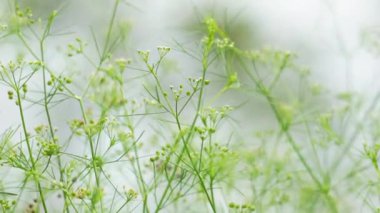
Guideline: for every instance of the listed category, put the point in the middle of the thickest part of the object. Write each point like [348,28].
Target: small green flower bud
[24,88]
[68,80]
[232,205]
[162,51]
[144,55]
[10,95]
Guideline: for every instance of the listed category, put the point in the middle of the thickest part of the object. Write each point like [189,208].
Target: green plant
[173,147]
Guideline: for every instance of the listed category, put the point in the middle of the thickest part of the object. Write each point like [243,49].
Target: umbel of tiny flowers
[162,51]
[144,55]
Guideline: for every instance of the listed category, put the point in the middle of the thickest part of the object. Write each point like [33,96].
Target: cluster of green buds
[107,86]
[7,204]
[195,83]
[202,131]
[27,12]
[114,71]
[156,157]
[162,157]
[151,102]
[7,74]
[124,136]
[24,89]
[49,145]
[58,185]
[224,43]
[232,81]
[79,127]
[81,193]
[76,126]
[98,162]
[212,29]
[211,116]
[77,48]
[10,95]
[144,54]
[122,63]
[22,18]
[217,149]
[15,159]
[130,193]
[9,68]
[59,82]
[162,51]
[177,92]
[93,126]
[36,65]
[244,207]
[219,161]
[50,148]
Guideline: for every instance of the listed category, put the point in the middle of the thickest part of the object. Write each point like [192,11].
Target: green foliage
[135,142]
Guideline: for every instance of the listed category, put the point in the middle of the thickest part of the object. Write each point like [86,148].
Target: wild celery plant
[330,172]
[36,153]
[193,164]
[195,160]
[168,148]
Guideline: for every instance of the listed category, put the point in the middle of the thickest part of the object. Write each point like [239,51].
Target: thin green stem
[30,152]
[92,149]
[47,112]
